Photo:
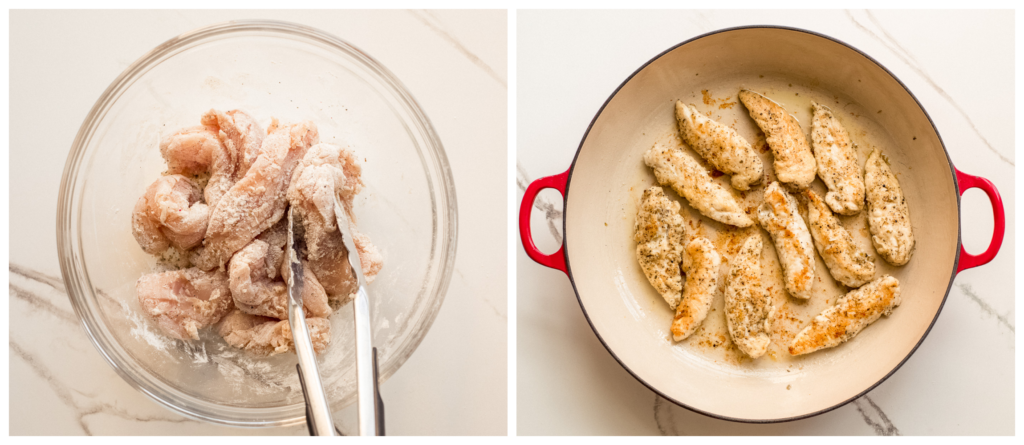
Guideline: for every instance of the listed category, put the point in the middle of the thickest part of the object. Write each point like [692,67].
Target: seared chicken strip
[658,232]
[837,162]
[327,171]
[794,162]
[256,292]
[263,336]
[846,262]
[690,180]
[700,262]
[169,213]
[184,301]
[721,146]
[748,307]
[852,313]
[888,214]
[257,201]
[780,216]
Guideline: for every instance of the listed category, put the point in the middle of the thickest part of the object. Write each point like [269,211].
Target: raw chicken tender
[169,213]
[264,336]
[794,162]
[748,307]
[257,201]
[721,146]
[780,216]
[327,171]
[256,292]
[852,313]
[184,301]
[888,214]
[690,180]
[240,133]
[700,262]
[658,232]
[847,263]
[196,151]
[837,162]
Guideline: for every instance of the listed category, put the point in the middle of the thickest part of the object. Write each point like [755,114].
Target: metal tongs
[318,413]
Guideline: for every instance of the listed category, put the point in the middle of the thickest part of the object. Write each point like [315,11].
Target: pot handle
[966,182]
[557,259]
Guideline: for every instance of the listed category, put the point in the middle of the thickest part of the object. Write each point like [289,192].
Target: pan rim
[565,212]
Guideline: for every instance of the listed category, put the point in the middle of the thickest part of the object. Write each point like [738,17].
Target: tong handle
[378,402]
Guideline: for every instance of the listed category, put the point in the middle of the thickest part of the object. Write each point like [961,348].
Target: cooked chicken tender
[837,162]
[184,301]
[780,216]
[748,307]
[690,180]
[170,214]
[721,146]
[263,336]
[257,201]
[852,313]
[847,263]
[888,214]
[658,232]
[256,292]
[327,171]
[794,162]
[700,262]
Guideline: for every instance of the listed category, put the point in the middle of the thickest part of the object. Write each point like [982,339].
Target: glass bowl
[269,69]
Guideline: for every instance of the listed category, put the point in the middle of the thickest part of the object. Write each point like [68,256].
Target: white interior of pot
[706,372]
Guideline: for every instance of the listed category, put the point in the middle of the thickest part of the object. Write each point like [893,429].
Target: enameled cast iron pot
[602,188]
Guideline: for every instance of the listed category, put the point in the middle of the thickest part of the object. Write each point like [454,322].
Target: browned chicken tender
[264,336]
[184,301]
[852,313]
[794,162]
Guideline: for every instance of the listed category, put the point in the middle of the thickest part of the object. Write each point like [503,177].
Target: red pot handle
[557,259]
[966,182]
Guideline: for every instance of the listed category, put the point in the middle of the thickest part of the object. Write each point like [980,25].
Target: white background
[960,66]
[452,62]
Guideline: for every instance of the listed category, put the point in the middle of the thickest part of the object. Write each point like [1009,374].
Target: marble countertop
[453,63]
[959,64]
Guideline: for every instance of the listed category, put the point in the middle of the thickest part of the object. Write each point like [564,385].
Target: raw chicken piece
[748,308]
[276,238]
[846,262]
[256,292]
[852,313]
[888,214]
[658,232]
[721,146]
[794,162]
[325,172]
[257,201]
[837,162]
[780,216]
[700,262]
[169,213]
[240,133]
[263,336]
[196,151]
[184,301]
[690,180]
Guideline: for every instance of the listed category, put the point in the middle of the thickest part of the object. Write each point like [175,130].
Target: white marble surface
[959,64]
[453,63]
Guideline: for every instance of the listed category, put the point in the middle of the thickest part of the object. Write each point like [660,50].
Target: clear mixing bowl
[269,69]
